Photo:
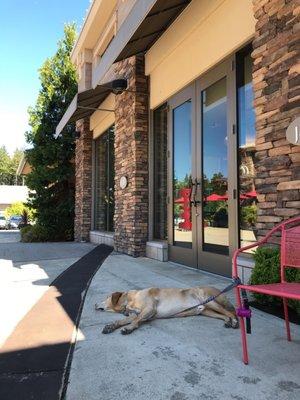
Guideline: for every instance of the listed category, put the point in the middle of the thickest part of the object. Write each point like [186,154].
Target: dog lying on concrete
[144,305]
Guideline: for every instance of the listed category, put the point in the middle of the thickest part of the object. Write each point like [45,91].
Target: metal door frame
[180,254]
[196,256]
[214,262]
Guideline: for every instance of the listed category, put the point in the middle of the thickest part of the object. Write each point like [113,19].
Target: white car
[14,221]
[2,222]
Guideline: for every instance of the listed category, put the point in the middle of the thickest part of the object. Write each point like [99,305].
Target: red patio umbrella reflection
[216,197]
[251,194]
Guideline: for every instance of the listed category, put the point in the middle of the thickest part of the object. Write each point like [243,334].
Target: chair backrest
[290,244]
[287,235]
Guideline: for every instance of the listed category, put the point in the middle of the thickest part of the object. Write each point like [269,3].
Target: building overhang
[23,168]
[83,105]
[96,17]
[146,22]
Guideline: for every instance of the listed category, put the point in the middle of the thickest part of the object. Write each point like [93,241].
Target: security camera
[119,85]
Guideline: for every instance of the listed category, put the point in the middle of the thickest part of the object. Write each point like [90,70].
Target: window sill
[99,237]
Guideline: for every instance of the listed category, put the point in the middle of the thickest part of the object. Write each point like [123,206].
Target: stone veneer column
[131,159]
[276,101]
[83,181]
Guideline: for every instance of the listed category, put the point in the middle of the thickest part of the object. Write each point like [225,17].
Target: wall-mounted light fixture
[117,86]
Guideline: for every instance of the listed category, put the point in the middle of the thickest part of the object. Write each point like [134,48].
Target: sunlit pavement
[26,270]
[27,307]
[40,321]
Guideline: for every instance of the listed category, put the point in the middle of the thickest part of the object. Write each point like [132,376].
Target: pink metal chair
[289,257]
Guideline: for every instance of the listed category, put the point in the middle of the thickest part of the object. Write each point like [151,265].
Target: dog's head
[116,302]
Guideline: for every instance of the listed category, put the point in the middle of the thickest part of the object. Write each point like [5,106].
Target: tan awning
[146,22]
[83,105]
[160,17]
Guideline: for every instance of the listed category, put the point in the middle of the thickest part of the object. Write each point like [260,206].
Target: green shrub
[39,233]
[220,218]
[248,215]
[267,270]
[34,233]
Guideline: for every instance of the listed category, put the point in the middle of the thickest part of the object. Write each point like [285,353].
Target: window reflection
[104,181]
[246,152]
[182,168]
[215,168]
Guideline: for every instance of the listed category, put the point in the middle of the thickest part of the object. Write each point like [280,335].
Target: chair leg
[286,317]
[242,327]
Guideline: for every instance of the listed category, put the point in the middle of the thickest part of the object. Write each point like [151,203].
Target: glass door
[104,181]
[181,167]
[202,175]
[216,157]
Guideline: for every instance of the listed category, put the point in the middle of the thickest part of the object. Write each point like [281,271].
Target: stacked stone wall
[276,82]
[83,180]
[131,159]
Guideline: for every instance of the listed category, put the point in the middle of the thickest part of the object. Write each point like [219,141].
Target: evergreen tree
[4,166]
[52,159]
[8,167]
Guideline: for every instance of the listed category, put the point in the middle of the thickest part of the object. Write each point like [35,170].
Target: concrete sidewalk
[26,271]
[177,359]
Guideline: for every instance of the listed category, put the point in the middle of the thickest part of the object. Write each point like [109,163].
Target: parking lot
[10,236]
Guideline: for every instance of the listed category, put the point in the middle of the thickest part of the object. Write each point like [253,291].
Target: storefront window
[215,168]
[246,149]
[160,172]
[182,174]
[104,181]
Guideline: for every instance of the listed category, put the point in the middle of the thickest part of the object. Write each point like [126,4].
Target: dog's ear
[115,298]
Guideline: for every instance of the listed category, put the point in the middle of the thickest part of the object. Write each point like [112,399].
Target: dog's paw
[227,323]
[234,323]
[108,329]
[126,331]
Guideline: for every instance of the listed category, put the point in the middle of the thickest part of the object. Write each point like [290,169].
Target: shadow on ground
[34,359]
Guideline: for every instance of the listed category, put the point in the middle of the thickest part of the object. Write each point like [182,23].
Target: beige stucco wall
[102,22]
[95,20]
[204,34]
[100,121]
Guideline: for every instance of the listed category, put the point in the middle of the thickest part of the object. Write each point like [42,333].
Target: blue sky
[29,31]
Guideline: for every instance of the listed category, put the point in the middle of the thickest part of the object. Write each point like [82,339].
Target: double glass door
[202,210]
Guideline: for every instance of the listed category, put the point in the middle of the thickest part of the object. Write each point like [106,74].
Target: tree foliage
[18,208]
[51,180]
[8,167]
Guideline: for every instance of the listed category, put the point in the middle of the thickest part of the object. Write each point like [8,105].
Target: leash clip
[237,280]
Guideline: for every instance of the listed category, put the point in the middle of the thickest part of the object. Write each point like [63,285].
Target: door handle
[193,200]
[197,184]
[192,193]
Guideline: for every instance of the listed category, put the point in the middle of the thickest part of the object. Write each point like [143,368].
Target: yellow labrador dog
[143,305]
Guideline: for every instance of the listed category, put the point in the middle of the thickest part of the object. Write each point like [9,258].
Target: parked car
[2,222]
[14,221]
